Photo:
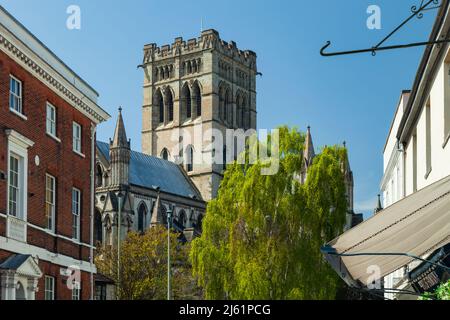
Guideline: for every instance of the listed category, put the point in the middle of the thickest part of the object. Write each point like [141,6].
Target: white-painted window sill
[20,115]
[79,154]
[54,137]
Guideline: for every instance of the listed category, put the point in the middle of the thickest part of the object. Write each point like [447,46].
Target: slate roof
[14,262]
[148,171]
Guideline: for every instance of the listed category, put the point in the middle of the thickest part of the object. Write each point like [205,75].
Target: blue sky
[350,98]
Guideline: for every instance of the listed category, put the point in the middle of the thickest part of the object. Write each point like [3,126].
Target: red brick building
[48,117]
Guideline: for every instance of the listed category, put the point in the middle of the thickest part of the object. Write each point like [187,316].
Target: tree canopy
[262,235]
[143,266]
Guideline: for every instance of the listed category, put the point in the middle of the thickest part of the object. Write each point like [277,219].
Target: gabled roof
[14,262]
[149,172]
[23,264]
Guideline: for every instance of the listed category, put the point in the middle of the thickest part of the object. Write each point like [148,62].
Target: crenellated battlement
[209,40]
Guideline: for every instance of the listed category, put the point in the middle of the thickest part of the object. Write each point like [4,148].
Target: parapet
[208,40]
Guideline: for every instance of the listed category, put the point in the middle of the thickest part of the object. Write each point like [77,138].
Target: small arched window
[142,218]
[190,159]
[165,154]
[99,176]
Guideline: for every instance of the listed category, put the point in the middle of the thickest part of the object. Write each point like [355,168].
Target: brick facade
[56,158]
[45,79]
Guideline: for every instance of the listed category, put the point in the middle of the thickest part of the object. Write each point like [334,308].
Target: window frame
[52,202]
[16,187]
[18,96]
[18,146]
[76,216]
[76,291]
[100,292]
[77,140]
[51,290]
[51,123]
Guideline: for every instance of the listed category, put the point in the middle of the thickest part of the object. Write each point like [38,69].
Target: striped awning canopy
[413,227]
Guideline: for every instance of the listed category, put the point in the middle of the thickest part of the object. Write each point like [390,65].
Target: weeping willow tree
[262,235]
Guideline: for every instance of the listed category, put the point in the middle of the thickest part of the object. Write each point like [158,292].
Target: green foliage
[262,235]
[143,266]
[441,293]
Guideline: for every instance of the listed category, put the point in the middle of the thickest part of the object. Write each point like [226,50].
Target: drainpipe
[91,235]
[401,148]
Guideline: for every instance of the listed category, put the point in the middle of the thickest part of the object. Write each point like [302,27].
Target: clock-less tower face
[192,91]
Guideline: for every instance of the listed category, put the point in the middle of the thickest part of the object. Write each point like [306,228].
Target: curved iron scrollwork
[416,12]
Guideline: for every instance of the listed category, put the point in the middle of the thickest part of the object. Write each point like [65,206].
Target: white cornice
[34,64]
[19,139]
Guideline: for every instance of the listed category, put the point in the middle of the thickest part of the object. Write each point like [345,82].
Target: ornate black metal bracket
[416,12]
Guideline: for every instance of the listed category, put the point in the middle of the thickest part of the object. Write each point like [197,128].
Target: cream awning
[416,225]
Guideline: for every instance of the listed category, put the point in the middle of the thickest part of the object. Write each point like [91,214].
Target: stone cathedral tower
[204,83]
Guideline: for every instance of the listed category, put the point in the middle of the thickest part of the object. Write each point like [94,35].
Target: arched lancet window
[228,107]
[238,110]
[166,72]
[189,67]
[200,222]
[98,228]
[159,103]
[197,99]
[164,214]
[186,103]
[108,231]
[242,115]
[181,221]
[221,103]
[169,104]
[99,176]
[190,159]
[142,218]
[224,160]
[20,292]
[247,115]
[165,154]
